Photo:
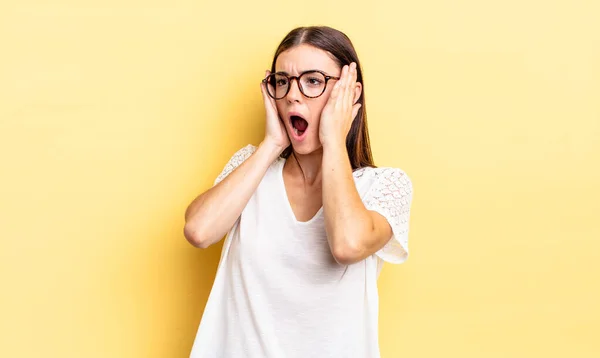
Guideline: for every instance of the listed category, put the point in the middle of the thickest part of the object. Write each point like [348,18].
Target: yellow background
[114,115]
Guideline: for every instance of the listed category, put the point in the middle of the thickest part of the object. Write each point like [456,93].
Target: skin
[318,174]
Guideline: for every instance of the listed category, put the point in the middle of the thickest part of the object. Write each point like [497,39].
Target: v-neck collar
[287,199]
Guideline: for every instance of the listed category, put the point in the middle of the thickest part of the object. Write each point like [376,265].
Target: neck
[306,165]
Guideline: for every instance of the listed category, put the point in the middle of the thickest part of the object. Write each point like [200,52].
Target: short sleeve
[238,158]
[391,196]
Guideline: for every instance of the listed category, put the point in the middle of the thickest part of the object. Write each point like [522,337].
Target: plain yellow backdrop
[114,115]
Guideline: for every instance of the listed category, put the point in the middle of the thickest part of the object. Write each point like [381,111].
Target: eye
[281,82]
[314,81]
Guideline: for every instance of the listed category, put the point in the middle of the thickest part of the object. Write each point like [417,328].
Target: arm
[212,214]
[354,233]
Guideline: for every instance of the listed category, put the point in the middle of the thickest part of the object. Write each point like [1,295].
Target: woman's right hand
[275,132]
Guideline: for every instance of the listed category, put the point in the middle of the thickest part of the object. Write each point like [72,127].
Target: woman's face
[294,62]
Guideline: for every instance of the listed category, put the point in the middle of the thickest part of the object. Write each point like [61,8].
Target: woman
[309,219]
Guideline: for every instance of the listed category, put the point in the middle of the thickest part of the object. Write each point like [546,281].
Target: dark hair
[340,47]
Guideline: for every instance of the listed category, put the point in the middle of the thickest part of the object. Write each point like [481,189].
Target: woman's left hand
[340,110]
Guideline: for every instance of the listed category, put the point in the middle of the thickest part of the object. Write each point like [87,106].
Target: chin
[307,147]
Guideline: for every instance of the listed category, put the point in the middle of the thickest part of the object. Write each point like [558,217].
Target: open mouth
[299,125]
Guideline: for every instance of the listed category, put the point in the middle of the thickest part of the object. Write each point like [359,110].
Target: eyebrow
[287,74]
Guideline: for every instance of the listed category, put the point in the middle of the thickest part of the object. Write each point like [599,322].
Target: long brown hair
[340,47]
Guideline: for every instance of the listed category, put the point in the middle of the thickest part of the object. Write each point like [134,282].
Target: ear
[357,92]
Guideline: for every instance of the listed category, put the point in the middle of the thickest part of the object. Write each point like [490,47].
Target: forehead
[303,58]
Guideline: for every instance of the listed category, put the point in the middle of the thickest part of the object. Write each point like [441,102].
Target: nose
[294,93]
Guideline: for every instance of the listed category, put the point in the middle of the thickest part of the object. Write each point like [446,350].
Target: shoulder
[241,155]
[245,152]
[388,191]
[383,176]
[238,158]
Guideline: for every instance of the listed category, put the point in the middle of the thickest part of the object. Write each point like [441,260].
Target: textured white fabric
[279,292]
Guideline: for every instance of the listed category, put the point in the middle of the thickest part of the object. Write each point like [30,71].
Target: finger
[269,106]
[353,81]
[346,83]
[336,90]
[268,87]
[342,82]
[262,83]
[342,89]
[351,85]
[263,90]
[342,92]
[266,98]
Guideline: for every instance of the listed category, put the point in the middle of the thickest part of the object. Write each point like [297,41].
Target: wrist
[334,145]
[274,150]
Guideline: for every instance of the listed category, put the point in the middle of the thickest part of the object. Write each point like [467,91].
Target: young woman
[309,218]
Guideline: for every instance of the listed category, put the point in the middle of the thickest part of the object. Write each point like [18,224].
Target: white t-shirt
[279,292]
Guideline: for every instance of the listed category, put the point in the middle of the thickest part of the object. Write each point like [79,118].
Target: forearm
[346,218]
[212,214]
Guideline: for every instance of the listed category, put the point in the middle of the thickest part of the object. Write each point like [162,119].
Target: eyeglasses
[312,84]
